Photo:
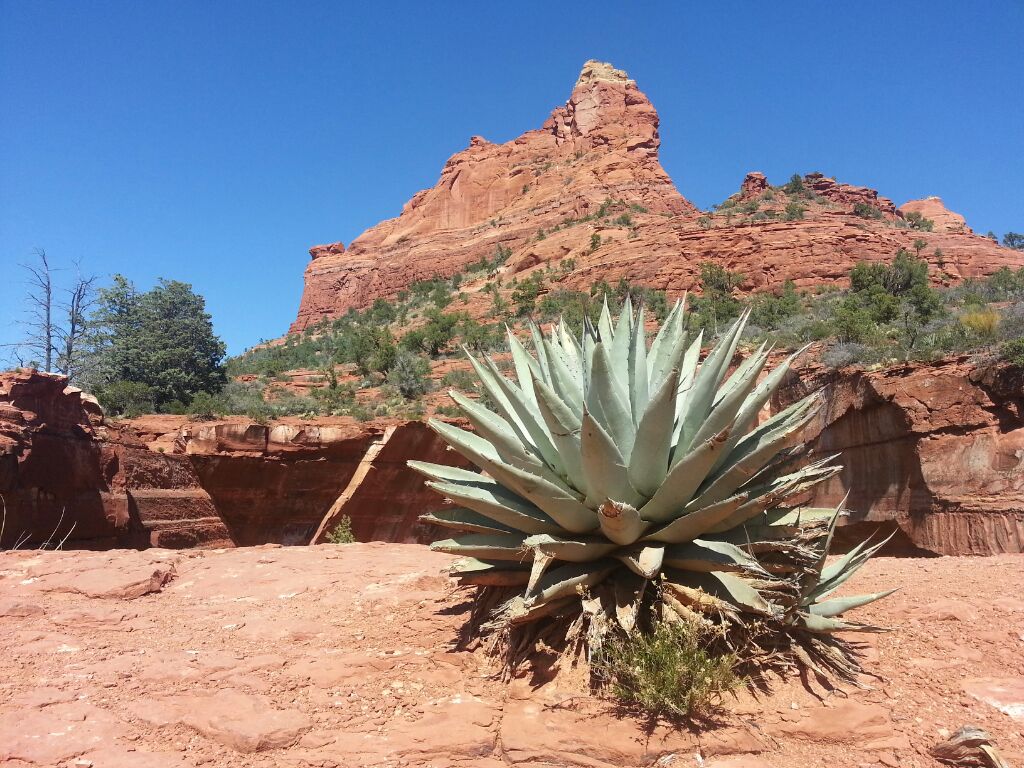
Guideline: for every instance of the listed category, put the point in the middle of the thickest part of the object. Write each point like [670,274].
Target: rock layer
[932,451]
[168,482]
[542,196]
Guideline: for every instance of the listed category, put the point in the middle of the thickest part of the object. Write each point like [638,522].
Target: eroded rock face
[933,450]
[66,476]
[540,194]
[602,144]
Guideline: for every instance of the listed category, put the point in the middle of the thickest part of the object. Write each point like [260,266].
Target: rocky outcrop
[168,482]
[543,195]
[932,451]
[603,144]
[933,209]
[847,194]
[66,478]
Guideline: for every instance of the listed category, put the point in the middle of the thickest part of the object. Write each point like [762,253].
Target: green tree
[162,339]
[1013,240]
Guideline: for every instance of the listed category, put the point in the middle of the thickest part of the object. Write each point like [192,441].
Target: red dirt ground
[344,656]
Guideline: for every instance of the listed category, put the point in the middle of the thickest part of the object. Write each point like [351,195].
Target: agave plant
[620,480]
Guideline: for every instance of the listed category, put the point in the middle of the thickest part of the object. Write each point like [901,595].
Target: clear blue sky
[214,142]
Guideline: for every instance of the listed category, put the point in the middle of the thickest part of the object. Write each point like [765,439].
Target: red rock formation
[66,475]
[754,185]
[164,481]
[934,450]
[847,194]
[277,483]
[934,209]
[603,145]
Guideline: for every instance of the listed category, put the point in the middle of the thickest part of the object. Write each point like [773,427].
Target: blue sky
[214,142]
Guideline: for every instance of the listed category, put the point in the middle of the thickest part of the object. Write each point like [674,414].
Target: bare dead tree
[40,344]
[72,333]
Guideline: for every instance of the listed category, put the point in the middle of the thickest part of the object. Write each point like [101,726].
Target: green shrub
[795,186]
[409,375]
[342,532]
[670,671]
[460,379]
[1014,240]
[595,242]
[794,211]
[866,211]
[127,398]
[1013,352]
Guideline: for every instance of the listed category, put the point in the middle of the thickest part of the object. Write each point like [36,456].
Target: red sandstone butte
[530,194]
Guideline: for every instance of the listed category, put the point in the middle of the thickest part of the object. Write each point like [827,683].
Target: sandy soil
[344,656]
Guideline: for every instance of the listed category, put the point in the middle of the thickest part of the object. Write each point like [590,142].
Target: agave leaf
[702,555]
[486,547]
[465,520]
[628,590]
[579,550]
[620,522]
[648,463]
[534,431]
[739,376]
[664,342]
[788,415]
[564,427]
[837,606]
[542,355]
[471,446]
[560,503]
[835,575]
[643,559]
[571,352]
[497,396]
[526,367]
[763,391]
[563,381]
[766,496]
[618,350]
[825,625]
[639,387]
[443,472]
[603,466]
[683,480]
[727,407]
[702,393]
[733,589]
[688,526]
[470,571]
[491,500]
[687,374]
[734,474]
[566,579]
[613,411]
[500,434]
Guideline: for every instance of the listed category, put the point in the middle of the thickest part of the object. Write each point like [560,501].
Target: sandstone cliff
[542,196]
[932,451]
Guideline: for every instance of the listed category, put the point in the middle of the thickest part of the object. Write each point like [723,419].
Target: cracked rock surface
[337,656]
